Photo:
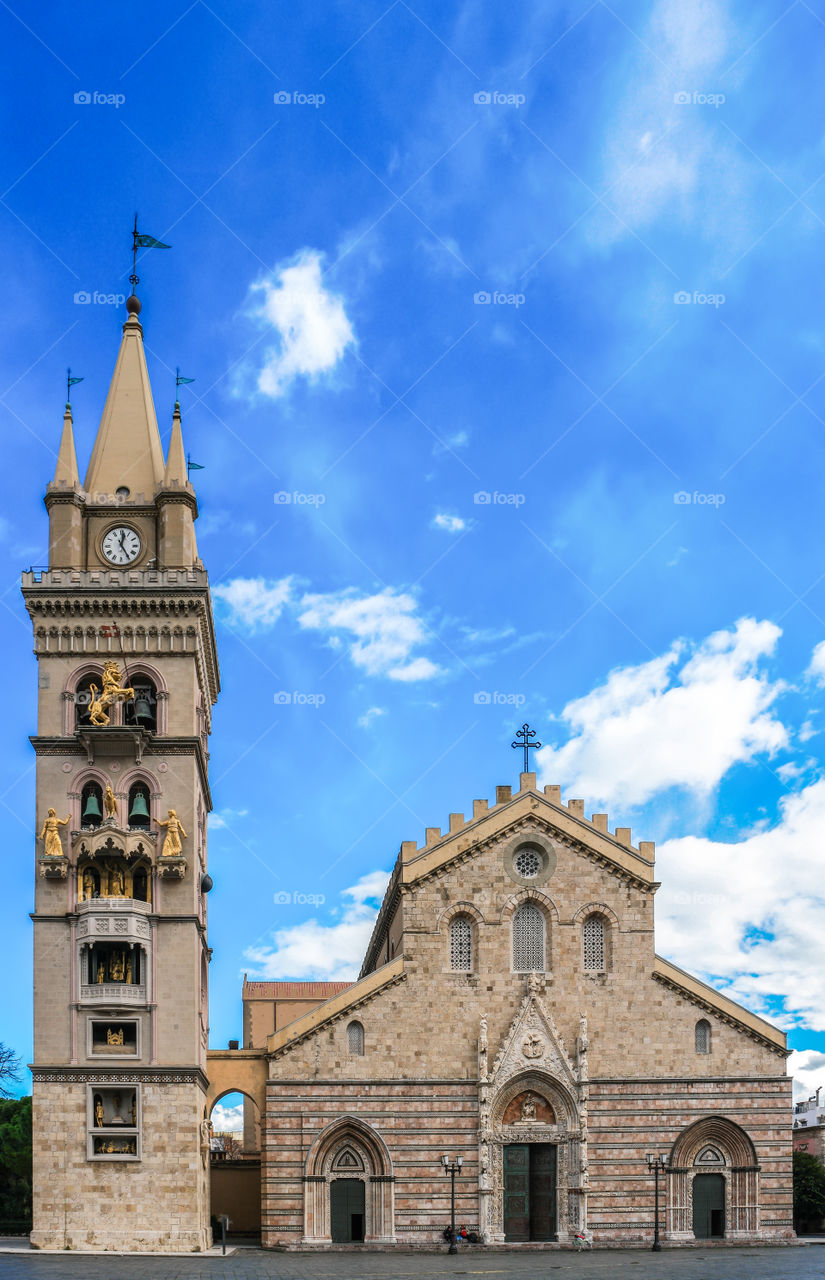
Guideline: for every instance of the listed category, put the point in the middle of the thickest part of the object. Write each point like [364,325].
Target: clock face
[121,545]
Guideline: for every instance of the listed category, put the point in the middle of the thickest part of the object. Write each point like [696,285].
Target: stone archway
[714,1145]
[534,1111]
[349,1150]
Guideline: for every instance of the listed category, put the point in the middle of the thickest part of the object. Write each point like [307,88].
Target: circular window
[527,863]
[529,859]
[122,491]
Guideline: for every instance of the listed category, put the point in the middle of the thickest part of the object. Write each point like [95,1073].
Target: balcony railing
[112,993]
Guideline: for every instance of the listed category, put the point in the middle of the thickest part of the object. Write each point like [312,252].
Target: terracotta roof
[293,990]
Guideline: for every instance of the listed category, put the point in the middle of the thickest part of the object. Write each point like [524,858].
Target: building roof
[292,990]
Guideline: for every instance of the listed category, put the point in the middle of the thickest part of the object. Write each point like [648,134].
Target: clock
[121,545]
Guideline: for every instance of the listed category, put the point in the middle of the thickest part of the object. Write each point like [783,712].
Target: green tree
[808,1191]
[15,1164]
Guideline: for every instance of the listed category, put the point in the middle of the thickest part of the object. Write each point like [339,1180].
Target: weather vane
[142,242]
[70,382]
[179,381]
[525,733]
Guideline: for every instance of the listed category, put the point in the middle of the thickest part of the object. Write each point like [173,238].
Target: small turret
[64,503]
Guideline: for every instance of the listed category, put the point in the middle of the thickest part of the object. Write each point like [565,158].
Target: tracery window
[593,939]
[528,939]
[702,1036]
[355,1040]
[461,944]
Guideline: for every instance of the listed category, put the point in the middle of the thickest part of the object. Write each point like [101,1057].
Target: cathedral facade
[511,1011]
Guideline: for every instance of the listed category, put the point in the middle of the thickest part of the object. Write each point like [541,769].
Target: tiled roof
[293,990]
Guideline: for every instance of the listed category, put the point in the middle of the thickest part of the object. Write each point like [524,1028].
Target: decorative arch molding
[543,900]
[349,1129]
[458,909]
[735,1159]
[149,779]
[596,909]
[552,1090]
[715,1131]
[349,1148]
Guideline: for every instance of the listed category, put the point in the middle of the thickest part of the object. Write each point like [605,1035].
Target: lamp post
[656,1164]
[452,1167]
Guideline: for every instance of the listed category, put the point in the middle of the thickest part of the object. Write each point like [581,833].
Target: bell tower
[127,678]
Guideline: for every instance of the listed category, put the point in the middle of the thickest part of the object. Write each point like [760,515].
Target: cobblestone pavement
[793,1263]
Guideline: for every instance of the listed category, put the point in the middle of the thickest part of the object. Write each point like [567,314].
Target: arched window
[355,1040]
[593,939]
[91,805]
[143,709]
[83,698]
[702,1036]
[138,806]
[461,944]
[528,939]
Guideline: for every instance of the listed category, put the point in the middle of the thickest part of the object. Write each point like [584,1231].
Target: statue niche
[113,877]
[529,1108]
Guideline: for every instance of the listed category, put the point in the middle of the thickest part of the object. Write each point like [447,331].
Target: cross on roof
[525,733]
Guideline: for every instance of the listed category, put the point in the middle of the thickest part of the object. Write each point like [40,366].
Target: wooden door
[708,1206]
[517,1191]
[542,1192]
[346,1210]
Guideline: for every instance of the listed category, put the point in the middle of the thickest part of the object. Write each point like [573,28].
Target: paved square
[791,1263]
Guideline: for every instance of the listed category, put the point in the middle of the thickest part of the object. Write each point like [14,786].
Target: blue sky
[510,393]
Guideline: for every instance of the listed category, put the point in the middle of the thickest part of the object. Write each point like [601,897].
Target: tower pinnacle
[66,474]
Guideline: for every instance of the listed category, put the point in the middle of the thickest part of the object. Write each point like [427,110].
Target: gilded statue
[110,801]
[89,890]
[114,1037]
[117,881]
[134,1110]
[98,1112]
[174,830]
[117,967]
[111,692]
[51,834]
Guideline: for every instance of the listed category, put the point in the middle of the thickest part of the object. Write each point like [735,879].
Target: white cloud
[312,325]
[331,952]
[372,713]
[382,630]
[458,440]
[807,1066]
[816,670]
[680,720]
[664,151]
[227,1119]
[254,603]
[450,524]
[751,913]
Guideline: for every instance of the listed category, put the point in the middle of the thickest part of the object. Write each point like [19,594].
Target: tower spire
[176,459]
[127,452]
[66,474]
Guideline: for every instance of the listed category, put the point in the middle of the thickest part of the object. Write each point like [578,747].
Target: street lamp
[452,1167]
[656,1164]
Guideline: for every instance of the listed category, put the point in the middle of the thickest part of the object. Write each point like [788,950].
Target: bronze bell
[91,810]
[139,811]
[143,707]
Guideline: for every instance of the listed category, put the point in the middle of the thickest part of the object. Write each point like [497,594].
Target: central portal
[530,1191]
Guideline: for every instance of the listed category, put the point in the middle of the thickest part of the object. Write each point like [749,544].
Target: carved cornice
[132,1075]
